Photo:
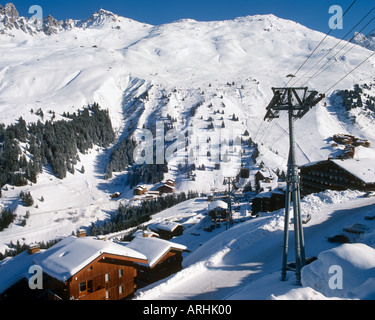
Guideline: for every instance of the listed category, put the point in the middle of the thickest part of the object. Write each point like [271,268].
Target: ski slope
[244,262]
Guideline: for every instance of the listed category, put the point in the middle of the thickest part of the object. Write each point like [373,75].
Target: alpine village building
[338,174]
[331,174]
[91,268]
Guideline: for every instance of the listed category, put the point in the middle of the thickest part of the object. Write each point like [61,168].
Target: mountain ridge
[10,20]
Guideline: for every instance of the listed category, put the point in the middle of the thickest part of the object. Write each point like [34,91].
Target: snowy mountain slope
[145,73]
[365,41]
[69,69]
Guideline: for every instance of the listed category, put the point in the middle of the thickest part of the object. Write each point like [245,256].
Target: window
[85,287]
[121,273]
[82,287]
[107,277]
[120,289]
[107,294]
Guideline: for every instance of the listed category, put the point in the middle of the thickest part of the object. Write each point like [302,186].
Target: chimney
[33,248]
[81,233]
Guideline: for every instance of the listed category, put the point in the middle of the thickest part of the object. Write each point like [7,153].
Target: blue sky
[313,14]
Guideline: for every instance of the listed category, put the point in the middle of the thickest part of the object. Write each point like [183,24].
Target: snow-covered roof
[167,225]
[153,248]
[15,269]
[70,255]
[264,194]
[167,186]
[363,169]
[217,204]
[145,234]
[267,173]
[268,186]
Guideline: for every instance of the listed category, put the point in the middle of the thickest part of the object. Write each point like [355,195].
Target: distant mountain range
[365,41]
[10,20]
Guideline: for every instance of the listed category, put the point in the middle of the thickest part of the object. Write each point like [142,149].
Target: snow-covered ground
[244,262]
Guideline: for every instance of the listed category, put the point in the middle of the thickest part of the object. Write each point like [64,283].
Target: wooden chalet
[116,195]
[164,258]
[140,190]
[265,180]
[338,174]
[269,201]
[13,276]
[165,188]
[347,139]
[170,182]
[85,268]
[167,229]
[152,194]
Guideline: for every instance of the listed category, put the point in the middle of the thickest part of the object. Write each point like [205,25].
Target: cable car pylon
[297,101]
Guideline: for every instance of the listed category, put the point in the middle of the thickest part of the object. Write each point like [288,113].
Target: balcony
[96,295]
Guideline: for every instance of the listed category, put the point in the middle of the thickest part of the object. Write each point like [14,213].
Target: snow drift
[347,271]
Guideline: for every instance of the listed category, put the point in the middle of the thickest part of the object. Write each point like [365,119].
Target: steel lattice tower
[297,101]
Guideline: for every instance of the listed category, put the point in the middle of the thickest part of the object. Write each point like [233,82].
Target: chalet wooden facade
[165,188]
[140,190]
[164,258]
[335,174]
[89,269]
[167,229]
[269,201]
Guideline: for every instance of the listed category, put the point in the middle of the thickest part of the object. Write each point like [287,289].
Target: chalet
[167,229]
[336,174]
[145,233]
[350,142]
[265,180]
[152,194]
[13,273]
[347,139]
[170,182]
[343,139]
[85,268]
[116,195]
[140,190]
[163,258]
[165,188]
[269,201]
[261,203]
